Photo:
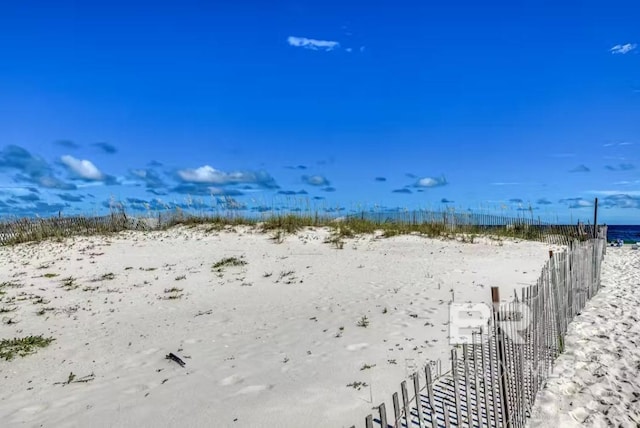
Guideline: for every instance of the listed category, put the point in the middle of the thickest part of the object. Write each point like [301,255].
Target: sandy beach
[596,381]
[290,334]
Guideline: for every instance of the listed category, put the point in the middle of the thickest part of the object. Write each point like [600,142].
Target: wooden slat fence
[32,229]
[518,227]
[493,381]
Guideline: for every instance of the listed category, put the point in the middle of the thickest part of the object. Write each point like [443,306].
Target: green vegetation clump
[290,223]
[363,322]
[11,284]
[173,293]
[214,223]
[10,348]
[226,262]
[69,283]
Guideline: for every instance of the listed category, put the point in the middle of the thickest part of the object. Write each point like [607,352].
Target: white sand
[260,350]
[596,382]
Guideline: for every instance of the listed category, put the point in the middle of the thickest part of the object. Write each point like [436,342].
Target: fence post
[416,389]
[595,219]
[502,360]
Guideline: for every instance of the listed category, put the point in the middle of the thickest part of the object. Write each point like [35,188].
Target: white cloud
[315,180]
[82,168]
[209,175]
[431,182]
[15,190]
[623,143]
[427,182]
[204,174]
[313,44]
[623,49]
[627,182]
[576,202]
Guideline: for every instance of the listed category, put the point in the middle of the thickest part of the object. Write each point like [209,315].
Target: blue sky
[519,107]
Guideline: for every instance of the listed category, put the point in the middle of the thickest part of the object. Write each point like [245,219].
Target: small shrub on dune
[10,348]
[289,223]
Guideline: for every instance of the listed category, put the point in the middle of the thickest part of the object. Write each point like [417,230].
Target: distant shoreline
[630,234]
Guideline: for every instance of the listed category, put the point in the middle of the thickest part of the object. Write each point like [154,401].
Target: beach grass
[10,348]
[279,224]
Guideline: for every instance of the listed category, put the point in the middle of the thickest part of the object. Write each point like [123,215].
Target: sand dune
[273,340]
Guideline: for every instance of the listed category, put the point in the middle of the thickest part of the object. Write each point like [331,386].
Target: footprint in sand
[231,380]
[150,351]
[135,389]
[64,402]
[35,409]
[252,389]
[357,346]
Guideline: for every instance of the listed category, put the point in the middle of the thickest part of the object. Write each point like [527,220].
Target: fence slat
[368,421]
[405,402]
[416,389]
[456,386]
[467,383]
[397,412]
[432,401]
[383,416]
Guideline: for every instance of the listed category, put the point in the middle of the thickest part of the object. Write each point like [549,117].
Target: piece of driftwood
[174,357]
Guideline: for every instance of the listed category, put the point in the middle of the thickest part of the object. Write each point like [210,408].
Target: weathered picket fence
[518,227]
[34,229]
[494,380]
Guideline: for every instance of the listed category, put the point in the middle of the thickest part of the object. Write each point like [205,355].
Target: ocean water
[629,234]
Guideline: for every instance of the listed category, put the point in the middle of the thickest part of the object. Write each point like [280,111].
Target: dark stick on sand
[175,358]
